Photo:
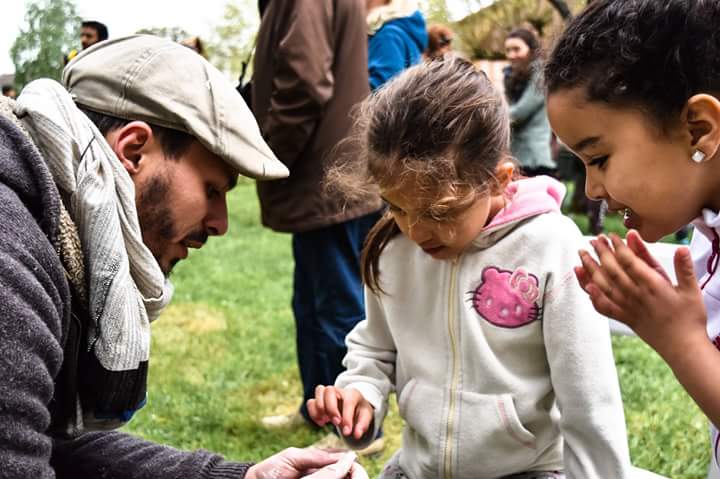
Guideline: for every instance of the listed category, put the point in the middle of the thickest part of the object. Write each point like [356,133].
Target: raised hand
[629,285]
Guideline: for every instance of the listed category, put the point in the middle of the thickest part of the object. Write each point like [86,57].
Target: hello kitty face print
[507,299]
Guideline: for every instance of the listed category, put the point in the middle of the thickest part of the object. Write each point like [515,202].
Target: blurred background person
[309,71]
[440,39]
[530,128]
[91,32]
[9,91]
[397,38]
[194,43]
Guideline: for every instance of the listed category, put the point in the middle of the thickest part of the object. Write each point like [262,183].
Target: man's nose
[216,223]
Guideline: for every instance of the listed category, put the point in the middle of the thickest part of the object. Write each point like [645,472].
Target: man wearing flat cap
[106,181]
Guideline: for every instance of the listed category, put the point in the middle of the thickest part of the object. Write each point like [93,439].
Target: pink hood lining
[529,197]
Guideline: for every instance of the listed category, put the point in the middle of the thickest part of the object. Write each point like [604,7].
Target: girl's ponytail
[384,230]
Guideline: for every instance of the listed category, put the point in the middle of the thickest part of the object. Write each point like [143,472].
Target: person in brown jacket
[310,70]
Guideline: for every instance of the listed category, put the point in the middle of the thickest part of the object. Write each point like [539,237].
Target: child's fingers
[617,280]
[320,399]
[364,417]
[604,305]
[622,259]
[316,414]
[332,408]
[637,246]
[582,276]
[313,412]
[350,403]
[614,281]
[595,271]
[647,280]
[685,271]
[588,263]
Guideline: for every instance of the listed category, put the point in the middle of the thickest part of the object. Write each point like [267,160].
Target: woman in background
[530,141]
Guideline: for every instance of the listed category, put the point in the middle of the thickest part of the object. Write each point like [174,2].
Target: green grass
[224,356]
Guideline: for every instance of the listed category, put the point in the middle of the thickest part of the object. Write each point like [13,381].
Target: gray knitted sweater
[35,311]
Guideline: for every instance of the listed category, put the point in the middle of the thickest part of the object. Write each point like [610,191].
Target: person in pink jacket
[474,318]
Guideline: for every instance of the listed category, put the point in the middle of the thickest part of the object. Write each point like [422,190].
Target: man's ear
[130,142]
[702,120]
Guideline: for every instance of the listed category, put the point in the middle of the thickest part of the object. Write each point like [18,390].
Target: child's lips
[432,249]
[629,219]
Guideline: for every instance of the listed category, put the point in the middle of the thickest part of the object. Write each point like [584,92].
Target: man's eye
[212,192]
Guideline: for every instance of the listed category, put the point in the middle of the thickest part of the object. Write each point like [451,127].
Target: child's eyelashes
[599,161]
[394,209]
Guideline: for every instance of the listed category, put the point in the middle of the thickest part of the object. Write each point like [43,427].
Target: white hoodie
[705,250]
[497,356]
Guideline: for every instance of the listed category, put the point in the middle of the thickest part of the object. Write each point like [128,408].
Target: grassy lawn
[224,356]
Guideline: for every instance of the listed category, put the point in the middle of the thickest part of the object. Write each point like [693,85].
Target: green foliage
[171,33]
[435,11]
[52,30]
[483,33]
[224,356]
[234,37]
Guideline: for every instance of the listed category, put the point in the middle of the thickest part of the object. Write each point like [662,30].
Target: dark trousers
[327,298]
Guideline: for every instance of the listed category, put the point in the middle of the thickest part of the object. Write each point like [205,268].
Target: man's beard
[156,220]
[155,216]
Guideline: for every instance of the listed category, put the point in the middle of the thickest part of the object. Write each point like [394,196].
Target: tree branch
[562,7]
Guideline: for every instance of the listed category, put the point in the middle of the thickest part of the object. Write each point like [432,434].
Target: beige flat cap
[148,78]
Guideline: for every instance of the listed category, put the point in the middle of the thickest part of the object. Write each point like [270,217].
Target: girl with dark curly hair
[634,90]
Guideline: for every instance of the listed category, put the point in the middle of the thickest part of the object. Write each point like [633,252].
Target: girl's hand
[629,285]
[347,409]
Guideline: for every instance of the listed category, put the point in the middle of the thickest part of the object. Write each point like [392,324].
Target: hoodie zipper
[448,453]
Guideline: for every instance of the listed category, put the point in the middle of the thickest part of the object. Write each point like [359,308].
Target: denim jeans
[327,298]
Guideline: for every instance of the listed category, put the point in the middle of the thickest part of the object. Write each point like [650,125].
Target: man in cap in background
[106,181]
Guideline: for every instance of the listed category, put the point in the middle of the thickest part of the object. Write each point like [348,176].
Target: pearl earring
[698,156]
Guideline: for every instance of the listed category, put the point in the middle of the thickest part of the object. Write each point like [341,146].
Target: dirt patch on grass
[193,318]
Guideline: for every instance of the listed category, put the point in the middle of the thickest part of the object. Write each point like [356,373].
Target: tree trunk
[562,7]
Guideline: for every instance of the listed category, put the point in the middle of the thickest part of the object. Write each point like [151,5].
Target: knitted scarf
[124,287]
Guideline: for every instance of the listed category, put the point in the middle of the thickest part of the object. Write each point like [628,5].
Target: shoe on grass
[284,421]
[333,441]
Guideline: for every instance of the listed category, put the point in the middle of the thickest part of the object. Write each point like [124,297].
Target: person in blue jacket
[397,38]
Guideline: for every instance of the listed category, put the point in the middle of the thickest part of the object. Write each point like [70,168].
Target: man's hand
[346,467]
[345,408]
[294,463]
[629,285]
